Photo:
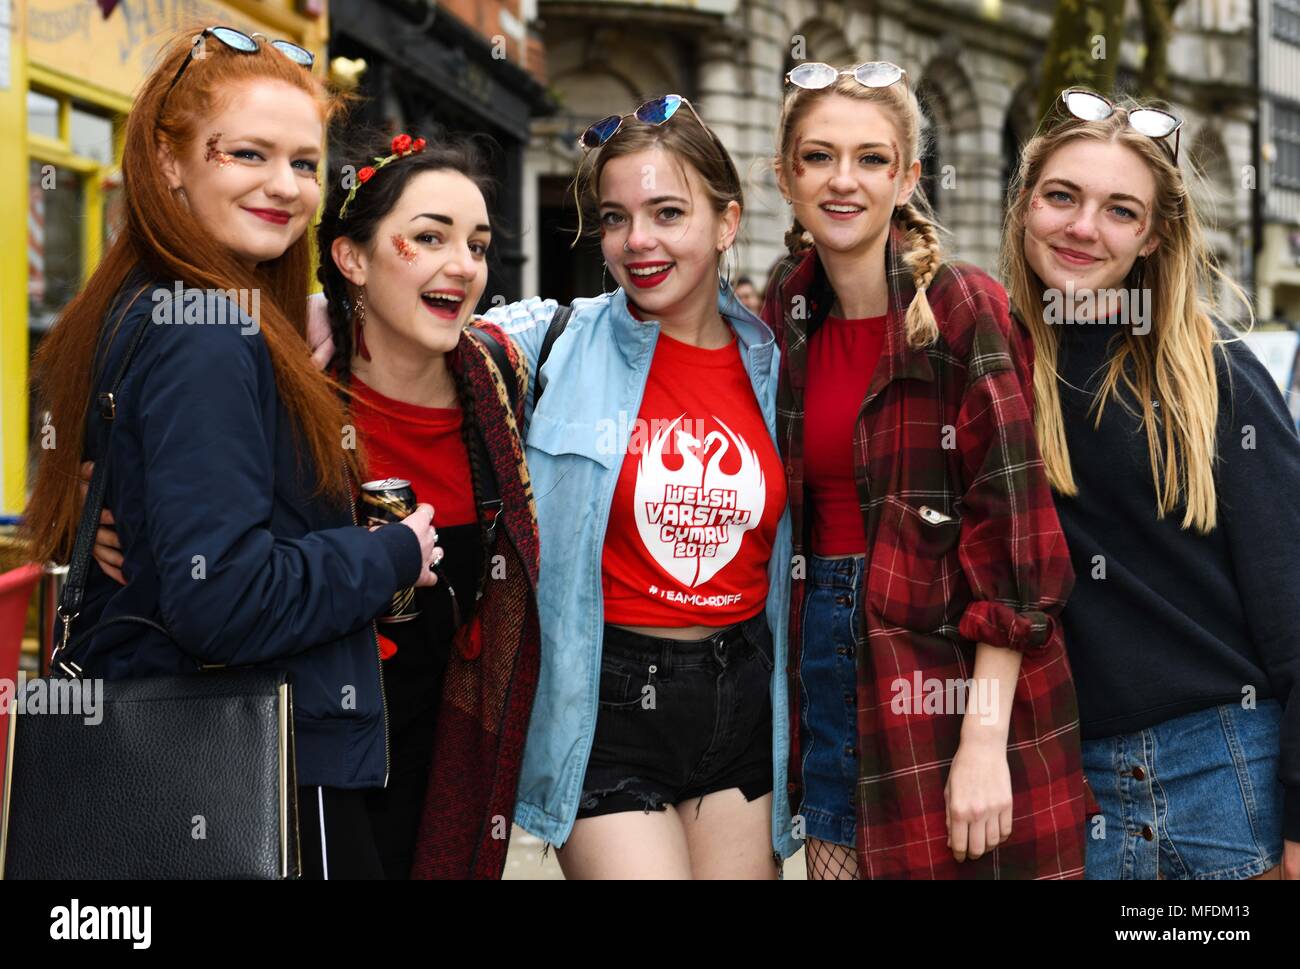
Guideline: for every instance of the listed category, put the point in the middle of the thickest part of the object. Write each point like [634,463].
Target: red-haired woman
[225,466]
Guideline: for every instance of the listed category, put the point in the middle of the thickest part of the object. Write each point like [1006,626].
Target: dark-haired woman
[403,265]
[225,470]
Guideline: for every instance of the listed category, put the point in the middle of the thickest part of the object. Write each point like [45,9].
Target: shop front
[67,75]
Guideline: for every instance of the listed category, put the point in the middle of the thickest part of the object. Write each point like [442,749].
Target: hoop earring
[359,324]
[604,269]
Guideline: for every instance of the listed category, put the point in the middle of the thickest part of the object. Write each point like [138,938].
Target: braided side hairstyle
[469,430]
[924,257]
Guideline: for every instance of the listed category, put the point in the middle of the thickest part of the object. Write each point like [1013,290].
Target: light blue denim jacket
[577,436]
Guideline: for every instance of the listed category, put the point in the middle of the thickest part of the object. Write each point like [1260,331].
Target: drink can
[382,503]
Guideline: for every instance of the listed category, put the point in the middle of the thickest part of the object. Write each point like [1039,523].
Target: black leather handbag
[182,776]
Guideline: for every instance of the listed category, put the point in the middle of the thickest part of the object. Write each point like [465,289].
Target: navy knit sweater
[1165,621]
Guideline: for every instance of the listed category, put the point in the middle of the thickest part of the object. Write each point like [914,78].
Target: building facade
[975,63]
[1279,176]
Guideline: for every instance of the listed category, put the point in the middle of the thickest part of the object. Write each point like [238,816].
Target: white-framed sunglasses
[1152,122]
[816,75]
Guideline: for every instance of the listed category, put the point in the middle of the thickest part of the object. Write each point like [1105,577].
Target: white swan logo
[693,520]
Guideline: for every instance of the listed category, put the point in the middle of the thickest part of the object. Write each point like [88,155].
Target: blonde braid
[796,239]
[924,257]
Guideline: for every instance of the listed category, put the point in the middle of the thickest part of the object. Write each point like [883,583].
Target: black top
[1165,621]
[413,675]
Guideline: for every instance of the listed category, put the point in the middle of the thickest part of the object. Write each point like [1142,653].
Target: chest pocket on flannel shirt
[915,572]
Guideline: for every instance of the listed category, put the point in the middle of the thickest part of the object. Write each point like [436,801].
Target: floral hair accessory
[402,145]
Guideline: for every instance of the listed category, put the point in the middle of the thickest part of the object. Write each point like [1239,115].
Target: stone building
[976,64]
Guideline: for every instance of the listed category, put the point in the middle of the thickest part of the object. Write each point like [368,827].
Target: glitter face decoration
[893,166]
[402,246]
[1036,203]
[1141,228]
[798,165]
[214,154]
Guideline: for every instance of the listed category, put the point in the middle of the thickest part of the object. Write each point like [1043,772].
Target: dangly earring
[604,280]
[359,324]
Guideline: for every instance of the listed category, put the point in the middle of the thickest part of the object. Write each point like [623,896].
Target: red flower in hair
[401,144]
[365,174]
[418,144]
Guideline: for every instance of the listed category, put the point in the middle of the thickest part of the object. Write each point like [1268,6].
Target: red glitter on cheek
[213,153]
[1142,227]
[798,165]
[1036,202]
[403,248]
[893,166]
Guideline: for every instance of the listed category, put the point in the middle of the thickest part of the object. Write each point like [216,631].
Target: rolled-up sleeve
[1011,546]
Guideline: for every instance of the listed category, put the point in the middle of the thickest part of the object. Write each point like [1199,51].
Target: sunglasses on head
[1152,122]
[656,111]
[239,41]
[816,75]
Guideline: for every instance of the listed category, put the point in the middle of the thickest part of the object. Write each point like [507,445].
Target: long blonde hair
[924,253]
[1173,364]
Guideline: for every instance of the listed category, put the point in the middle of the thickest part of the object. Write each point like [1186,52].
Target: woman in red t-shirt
[403,265]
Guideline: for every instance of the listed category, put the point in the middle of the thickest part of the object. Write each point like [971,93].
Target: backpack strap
[558,322]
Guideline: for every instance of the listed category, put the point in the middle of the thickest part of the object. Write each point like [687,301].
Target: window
[1286,138]
[73,202]
[1286,20]
[42,114]
[55,256]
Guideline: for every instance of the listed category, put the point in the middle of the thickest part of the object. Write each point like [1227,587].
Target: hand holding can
[392,501]
[420,521]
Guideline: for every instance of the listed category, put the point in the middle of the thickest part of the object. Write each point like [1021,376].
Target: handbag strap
[74,591]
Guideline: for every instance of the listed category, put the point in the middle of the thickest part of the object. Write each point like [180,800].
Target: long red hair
[159,233]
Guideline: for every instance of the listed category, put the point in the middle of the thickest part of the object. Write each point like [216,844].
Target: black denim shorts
[681,719]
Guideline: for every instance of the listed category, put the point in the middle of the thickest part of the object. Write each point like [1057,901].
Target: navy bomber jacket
[225,543]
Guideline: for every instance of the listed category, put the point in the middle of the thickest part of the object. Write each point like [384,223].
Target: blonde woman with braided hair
[1174,463]
[934,724]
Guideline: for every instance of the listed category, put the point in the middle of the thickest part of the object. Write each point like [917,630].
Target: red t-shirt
[698,498]
[842,356]
[422,445]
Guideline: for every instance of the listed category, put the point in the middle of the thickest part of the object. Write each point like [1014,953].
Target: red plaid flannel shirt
[964,546]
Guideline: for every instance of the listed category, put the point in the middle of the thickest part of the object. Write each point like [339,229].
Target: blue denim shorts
[1196,797]
[828,698]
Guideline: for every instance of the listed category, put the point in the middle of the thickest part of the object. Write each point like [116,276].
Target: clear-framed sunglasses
[816,75]
[1152,122]
[656,111]
[239,41]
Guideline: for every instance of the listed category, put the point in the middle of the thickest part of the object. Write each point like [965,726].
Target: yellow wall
[68,48]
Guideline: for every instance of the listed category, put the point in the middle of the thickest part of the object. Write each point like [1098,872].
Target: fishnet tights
[828,861]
